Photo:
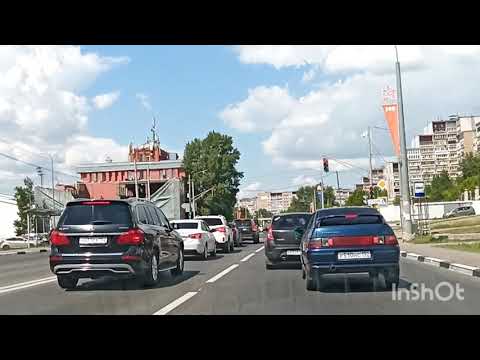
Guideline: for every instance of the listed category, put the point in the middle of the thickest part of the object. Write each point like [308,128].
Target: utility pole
[135,176]
[190,197]
[338,182]
[370,155]
[193,198]
[404,185]
[148,182]
[314,199]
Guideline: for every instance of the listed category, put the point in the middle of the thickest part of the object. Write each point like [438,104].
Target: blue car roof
[348,210]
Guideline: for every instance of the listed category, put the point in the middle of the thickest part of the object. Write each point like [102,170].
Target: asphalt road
[236,283]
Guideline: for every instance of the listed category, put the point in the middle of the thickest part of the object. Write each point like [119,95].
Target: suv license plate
[93,241]
[293,252]
[354,255]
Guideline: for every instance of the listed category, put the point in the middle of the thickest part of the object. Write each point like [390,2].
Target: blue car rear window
[343,220]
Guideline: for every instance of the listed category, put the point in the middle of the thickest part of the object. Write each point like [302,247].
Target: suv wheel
[269,266]
[180,263]
[256,239]
[226,247]
[214,253]
[205,252]
[232,246]
[67,281]
[151,275]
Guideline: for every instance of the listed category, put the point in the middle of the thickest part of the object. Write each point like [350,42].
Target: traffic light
[325,165]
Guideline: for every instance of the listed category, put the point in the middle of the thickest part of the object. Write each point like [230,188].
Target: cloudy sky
[285,106]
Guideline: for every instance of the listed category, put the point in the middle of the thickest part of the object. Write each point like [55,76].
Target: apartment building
[274,202]
[434,152]
[341,195]
[392,179]
[248,203]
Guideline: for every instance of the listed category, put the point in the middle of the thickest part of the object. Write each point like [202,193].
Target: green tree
[377,193]
[356,198]
[302,200]
[470,166]
[24,197]
[263,213]
[329,197]
[442,188]
[211,163]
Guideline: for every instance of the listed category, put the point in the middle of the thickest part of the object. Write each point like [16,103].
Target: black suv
[247,229]
[125,238]
[282,245]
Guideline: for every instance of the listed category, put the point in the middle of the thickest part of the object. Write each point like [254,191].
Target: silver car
[460,211]
[15,243]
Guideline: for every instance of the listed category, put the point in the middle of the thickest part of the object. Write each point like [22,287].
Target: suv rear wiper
[100,222]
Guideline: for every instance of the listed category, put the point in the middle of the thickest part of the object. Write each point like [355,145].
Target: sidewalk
[449,255]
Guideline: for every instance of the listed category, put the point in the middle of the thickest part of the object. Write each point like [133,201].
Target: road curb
[22,252]
[459,268]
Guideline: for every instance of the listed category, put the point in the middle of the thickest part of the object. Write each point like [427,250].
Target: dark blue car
[349,240]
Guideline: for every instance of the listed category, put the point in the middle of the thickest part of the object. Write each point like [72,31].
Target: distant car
[349,240]
[16,242]
[121,238]
[223,233]
[197,237]
[282,245]
[237,237]
[460,211]
[248,229]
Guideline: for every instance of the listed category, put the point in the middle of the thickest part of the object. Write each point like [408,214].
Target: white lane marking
[259,249]
[247,257]
[223,273]
[166,309]
[27,284]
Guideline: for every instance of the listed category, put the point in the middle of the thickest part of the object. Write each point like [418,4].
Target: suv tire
[178,270]
[151,274]
[204,256]
[232,246]
[256,239]
[67,281]
[269,266]
[226,247]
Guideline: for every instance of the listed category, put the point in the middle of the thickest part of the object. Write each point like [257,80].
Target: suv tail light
[59,239]
[221,229]
[197,236]
[131,237]
[270,234]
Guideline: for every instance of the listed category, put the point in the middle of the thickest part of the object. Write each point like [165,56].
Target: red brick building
[116,180]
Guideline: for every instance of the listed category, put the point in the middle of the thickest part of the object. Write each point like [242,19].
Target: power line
[35,165]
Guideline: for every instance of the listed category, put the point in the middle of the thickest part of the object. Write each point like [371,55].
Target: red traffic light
[325,165]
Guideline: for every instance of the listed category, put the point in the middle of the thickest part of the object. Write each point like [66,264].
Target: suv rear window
[338,220]
[243,222]
[288,222]
[212,221]
[187,225]
[79,214]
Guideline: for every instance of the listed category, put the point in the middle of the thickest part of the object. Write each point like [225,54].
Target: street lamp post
[404,185]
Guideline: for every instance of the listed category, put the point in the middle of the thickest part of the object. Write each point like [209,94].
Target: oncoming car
[349,240]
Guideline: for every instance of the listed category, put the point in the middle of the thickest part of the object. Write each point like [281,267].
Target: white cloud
[249,190]
[329,120]
[260,110]
[144,100]
[303,180]
[104,101]
[42,109]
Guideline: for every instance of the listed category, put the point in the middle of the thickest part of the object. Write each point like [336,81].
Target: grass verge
[473,247]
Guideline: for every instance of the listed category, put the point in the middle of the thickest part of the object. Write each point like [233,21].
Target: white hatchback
[197,237]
